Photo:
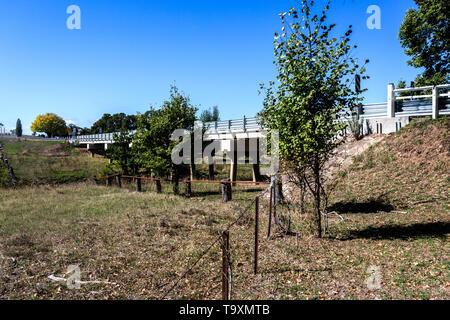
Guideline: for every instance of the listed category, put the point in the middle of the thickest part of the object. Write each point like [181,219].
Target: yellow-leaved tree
[50,124]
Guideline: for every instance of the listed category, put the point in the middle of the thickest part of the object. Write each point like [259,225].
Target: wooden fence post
[275,215]
[158,186]
[270,215]
[95,180]
[278,190]
[108,181]
[12,175]
[118,181]
[226,292]
[138,185]
[176,185]
[274,199]
[187,188]
[225,188]
[255,256]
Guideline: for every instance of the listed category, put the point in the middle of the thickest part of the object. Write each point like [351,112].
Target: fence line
[214,242]
[225,247]
[226,181]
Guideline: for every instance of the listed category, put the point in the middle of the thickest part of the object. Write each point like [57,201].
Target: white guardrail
[432,104]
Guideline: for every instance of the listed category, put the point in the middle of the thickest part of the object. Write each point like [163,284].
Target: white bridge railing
[418,105]
[239,125]
[97,138]
[433,104]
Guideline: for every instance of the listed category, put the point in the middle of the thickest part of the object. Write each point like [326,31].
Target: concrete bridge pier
[249,148]
[255,170]
[234,160]
[97,148]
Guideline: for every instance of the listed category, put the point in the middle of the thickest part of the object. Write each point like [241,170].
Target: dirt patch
[56,150]
[420,144]
[345,153]
[342,159]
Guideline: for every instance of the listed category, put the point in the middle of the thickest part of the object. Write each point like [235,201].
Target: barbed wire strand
[216,240]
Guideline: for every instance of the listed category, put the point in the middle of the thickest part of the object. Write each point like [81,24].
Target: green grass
[50,161]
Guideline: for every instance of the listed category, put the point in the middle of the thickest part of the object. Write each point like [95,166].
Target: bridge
[385,117]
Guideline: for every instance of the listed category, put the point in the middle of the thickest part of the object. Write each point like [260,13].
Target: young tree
[425,35]
[18,128]
[312,95]
[210,115]
[51,124]
[152,144]
[121,154]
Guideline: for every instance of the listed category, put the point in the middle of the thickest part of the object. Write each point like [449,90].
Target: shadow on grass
[418,230]
[370,206]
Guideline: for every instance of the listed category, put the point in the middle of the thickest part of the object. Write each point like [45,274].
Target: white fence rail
[433,104]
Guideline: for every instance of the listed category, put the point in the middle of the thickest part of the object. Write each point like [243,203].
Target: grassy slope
[50,161]
[394,200]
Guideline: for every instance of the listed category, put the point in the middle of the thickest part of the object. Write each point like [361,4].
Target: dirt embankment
[422,146]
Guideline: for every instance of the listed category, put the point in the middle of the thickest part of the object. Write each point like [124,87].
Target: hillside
[407,168]
[50,161]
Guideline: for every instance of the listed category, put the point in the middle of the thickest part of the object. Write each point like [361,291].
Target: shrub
[356,128]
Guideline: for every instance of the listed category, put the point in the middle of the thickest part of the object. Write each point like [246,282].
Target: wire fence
[226,271]
[220,242]
[188,188]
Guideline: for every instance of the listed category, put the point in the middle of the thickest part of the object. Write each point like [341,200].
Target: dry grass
[396,218]
[50,161]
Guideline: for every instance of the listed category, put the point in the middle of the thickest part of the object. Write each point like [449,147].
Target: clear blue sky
[127,54]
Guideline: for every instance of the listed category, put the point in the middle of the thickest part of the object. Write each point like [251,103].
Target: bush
[5,178]
[356,128]
[108,170]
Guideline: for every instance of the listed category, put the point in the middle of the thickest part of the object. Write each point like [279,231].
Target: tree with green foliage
[114,123]
[19,128]
[78,130]
[313,92]
[425,36]
[121,154]
[401,84]
[210,115]
[152,142]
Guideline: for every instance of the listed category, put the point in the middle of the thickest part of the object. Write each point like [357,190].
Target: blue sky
[128,53]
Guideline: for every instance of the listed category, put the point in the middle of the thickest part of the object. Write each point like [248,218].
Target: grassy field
[394,200]
[50,161]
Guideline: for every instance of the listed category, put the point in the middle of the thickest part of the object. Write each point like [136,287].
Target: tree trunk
[175,182]
[317,198]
